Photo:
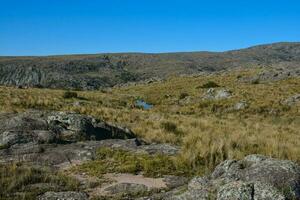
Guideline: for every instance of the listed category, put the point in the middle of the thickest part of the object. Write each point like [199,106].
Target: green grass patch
[120,161]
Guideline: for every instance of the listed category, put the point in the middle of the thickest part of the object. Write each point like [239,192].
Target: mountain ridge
[139,52]
[94,71]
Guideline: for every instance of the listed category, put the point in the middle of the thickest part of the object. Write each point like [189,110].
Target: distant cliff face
[17,75]
[69,73]
[104,70]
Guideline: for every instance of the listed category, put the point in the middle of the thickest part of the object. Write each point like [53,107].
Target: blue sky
[47,27]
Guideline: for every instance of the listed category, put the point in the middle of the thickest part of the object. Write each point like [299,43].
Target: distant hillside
[105,70]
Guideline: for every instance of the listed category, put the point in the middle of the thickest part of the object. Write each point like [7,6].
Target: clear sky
[44,27]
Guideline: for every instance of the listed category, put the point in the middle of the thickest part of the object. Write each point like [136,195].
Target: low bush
[69,95]
[210,84]
[183,95]
[169,127]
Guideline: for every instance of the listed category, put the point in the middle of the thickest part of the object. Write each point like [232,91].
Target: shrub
[4,147]
[183,95]
[170,127]
[210,84]
[255,81]
[70,94]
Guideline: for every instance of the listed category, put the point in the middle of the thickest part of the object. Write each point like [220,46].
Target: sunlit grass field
[208,131]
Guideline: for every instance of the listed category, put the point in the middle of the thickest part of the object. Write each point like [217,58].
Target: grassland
[208,131]
[26,182]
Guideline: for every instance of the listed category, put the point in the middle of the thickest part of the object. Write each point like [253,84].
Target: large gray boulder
[10,138]
[22,122]
[59,127]
[254,177]
[248,190]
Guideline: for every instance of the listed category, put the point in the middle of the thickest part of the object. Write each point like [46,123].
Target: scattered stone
[77,104]
[242,105]
[217,94]
[186,100]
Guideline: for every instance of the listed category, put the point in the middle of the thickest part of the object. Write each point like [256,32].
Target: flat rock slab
[135,184]
[65,155]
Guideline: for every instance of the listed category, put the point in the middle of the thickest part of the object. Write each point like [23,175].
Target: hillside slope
[104,70]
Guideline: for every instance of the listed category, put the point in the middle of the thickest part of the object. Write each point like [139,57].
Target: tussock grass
[20,181]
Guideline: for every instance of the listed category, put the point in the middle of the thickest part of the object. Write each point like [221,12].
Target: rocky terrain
[64,140]
[281,60]
[227,128]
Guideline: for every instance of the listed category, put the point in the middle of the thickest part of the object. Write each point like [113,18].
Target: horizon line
[140,52]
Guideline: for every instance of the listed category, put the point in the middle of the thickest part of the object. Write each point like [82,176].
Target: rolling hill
[96,71]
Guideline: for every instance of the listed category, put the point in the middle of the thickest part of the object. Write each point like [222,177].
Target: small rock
[77,103]
[214,94]
[241,105]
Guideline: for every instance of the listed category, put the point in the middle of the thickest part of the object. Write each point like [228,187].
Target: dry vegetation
[208,131]
[26,182]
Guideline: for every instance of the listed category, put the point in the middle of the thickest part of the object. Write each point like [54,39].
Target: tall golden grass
[207,131]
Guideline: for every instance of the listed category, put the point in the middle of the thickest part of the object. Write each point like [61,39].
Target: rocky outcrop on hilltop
[63,72]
